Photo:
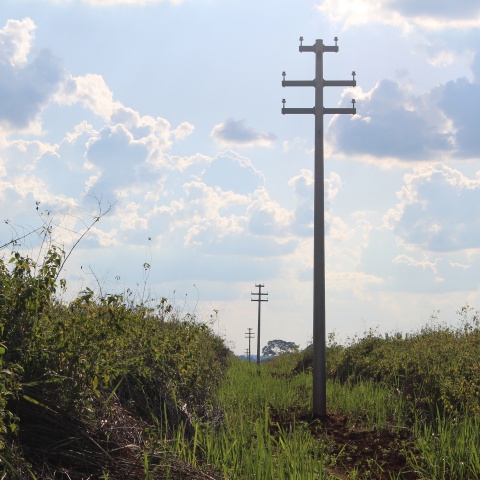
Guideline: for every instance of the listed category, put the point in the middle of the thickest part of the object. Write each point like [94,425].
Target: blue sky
[172,109]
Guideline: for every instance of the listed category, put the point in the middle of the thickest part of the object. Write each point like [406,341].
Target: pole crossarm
[312,83]
[261,299]
[339,111]
[315,49]
[298,83]
[319,47]
[319,85]
[298,111]
[339,83]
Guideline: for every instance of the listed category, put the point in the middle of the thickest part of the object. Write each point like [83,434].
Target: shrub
[66,367]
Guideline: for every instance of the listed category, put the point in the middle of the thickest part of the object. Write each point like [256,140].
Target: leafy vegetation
[66,369]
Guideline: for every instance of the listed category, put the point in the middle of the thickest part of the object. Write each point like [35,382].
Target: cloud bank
[394,123]
[463,14]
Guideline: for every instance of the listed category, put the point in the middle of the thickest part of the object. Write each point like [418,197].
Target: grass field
[107,387]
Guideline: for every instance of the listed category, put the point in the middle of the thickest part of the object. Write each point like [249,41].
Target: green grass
[449,448]
[250,443]
[368,403]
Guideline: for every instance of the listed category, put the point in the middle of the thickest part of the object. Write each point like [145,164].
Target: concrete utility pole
[259,300]
[249,335]
[319,338]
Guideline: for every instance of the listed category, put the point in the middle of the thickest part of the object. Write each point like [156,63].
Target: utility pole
[249,335]
[259,300]
[319,338]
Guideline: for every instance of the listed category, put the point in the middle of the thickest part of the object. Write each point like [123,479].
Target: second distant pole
[259,300]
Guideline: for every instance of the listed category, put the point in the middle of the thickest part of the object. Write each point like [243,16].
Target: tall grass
[250,443]
[255,449]
[249,389]
[370,404]
[265,431]
[449,448]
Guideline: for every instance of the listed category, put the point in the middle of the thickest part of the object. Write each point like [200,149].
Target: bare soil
[372,454]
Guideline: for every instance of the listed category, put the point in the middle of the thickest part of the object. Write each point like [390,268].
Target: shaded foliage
[434,369]
[66,367]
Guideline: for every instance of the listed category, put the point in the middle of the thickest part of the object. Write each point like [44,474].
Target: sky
[169,111]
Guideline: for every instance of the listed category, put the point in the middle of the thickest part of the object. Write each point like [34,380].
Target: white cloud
[26,85]
[409,260]
[426,14]
[231,171]
[394,123]
[267,217]
[184,130]
[459,100]
[303,186]
[234,133]
[438,14]
[131,219]
[358,283]
[16,39]
[412,267]
[91,92]
[438,210]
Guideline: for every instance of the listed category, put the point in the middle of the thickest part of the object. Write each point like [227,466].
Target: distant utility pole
[249,335]
[259,300]
[319,339]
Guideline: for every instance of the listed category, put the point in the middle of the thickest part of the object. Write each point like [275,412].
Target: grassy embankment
[108,388]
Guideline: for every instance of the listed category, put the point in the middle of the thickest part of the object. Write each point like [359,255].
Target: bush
[435,369]
[66,367]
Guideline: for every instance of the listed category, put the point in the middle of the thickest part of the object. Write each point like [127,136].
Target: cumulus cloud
[267,217]
[118,158]
[303,186]
[405,13]
[393,124]
[16,39]
[438,210]
[26,84]
[443,11]
[184,130]
[231,171]
[460,99]
[414,269]
[208,220]
[91,92]
[234,133]
[214,205]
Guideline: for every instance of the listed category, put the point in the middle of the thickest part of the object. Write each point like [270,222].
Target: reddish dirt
[372,454]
